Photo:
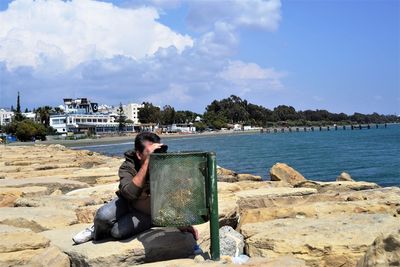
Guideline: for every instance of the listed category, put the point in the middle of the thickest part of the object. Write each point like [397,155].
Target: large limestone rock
[153,245]
[283,172]
[315,210]
[284,261]
[337,186]
[384,251]
[37,219]
[52,183]
[248,177]
[338,240]
[22,247]
[256,198]
[344,176]
[99,193]
[9,195]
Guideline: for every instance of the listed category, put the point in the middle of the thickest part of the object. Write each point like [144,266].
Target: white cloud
[242,73]
[111,59]
[35,33]
[176,93]
[262,14]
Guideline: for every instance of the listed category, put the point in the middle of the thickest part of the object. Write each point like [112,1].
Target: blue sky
[343,56]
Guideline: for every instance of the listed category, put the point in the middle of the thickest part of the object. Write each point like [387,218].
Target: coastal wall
[48,193]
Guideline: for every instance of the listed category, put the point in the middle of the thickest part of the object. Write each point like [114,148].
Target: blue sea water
[368,154]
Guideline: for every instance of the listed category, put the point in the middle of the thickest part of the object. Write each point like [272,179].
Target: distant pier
[322,128]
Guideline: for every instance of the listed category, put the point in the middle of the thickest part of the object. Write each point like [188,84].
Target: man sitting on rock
[129,213]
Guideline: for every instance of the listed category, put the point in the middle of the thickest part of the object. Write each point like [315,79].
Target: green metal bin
[184,192]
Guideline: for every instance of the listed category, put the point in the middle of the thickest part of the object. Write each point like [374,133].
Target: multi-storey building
[5,116]
[131,111]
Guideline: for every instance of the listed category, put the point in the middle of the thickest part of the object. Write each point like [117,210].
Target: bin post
[213,200]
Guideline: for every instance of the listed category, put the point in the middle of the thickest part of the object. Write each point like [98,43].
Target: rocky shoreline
[49,192]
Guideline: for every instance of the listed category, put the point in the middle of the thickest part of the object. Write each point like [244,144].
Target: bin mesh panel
[177,184]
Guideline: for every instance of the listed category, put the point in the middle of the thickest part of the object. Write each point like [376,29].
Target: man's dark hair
[145,136]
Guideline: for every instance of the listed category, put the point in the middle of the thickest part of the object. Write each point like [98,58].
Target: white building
[131,111]
[80,115]
[29,115]
[5,116]
[182,128]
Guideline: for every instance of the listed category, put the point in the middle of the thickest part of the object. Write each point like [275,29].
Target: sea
[371,155]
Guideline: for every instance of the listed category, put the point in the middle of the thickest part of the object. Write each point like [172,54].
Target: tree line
[234,110]
[218,114]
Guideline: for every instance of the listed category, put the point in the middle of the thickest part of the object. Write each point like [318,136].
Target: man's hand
[150,149]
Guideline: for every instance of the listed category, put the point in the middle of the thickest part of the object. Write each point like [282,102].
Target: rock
[384,251]
[338,240]
[344,176]
[50,256]
[16,241]
[198,259]
[256,198]
[52,183]
[107,180]
[57,202]
[20,246]
[223,171]
[283,172]
[314,210]
[99,193]
[248,177]
[86,214]
[37,219]
[152,245]
[9,195]
[231,242]
[338,186]
[227,178]
[225,175]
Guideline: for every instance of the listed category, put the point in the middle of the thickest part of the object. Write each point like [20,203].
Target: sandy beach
[127,138]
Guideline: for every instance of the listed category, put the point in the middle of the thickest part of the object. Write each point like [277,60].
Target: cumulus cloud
[241,73]
[41,32]
[262,14]
[113,54]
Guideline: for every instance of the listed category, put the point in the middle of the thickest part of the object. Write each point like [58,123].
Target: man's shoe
[84,236]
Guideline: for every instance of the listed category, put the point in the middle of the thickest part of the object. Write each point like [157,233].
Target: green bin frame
[211,193]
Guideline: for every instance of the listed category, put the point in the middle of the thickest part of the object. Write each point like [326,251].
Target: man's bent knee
[119,233]
[104,216]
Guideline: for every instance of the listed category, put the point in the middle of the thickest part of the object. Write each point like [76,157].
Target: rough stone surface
[37,219]
[339,240]
[248,177]
[22,247]
[283,172]
[153,245]
[284,261]
[344,176]
[258,197]
[231,242]
[50,256]
[384,251]
[52,183]
[86,214]
[315,210]
[338,186]
[99,193]
[286,222]
[9,195]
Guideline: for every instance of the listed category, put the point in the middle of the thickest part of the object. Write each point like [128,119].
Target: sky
[338,55]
